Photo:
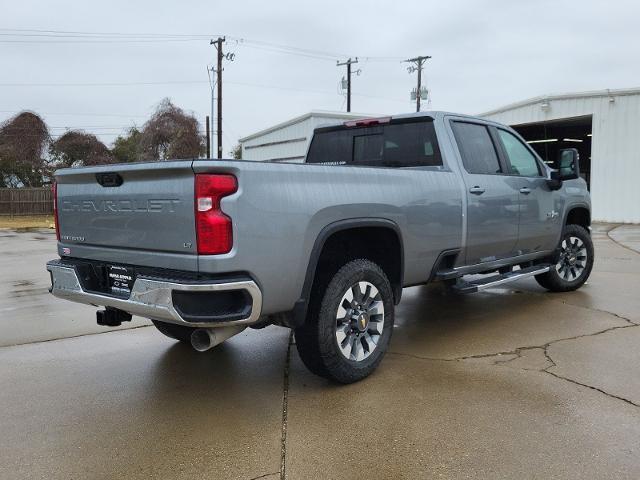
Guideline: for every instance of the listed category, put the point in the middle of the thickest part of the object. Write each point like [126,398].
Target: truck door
[492,199]
[538,221]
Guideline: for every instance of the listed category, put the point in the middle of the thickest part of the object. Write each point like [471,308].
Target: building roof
[301,118]
[564,96]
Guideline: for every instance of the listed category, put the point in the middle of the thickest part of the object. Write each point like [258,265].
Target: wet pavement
[28,313]
[510,383]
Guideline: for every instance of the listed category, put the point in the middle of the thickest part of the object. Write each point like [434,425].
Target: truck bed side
[280,210]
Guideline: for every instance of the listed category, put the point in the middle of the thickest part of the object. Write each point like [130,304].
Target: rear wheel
[177,332]
[574,264]
[349,325]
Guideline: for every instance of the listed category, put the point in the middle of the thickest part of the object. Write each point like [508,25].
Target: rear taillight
[214,229]
[54,191]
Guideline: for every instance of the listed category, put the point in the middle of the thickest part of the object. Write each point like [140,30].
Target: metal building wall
[615,144]
[289,142]
[296,137]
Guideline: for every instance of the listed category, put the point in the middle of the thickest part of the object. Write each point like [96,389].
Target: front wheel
[574,264]
[349,325]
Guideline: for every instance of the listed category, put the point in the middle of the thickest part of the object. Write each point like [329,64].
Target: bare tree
[77,148]
[23,142]
[171,133]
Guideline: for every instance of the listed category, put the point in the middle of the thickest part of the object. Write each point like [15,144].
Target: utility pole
[218,44]
[348,63]
[418,65]
[208,138]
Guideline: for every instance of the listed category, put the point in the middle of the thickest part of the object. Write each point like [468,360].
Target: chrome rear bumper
[151,298]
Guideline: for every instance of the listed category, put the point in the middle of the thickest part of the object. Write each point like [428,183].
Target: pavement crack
[594,334]
[285,402]
[265,475]
[547,355]
[420,357]
[516,351]
[575,382]
[607,312]
[599,310]
[58,339]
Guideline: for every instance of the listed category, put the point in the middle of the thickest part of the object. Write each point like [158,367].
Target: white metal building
[288,141]
[605,128]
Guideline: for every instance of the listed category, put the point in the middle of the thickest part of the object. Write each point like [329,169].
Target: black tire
[560,278]
[177,332]
[317,339]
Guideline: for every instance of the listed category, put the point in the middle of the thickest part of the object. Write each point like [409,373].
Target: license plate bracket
[120,279]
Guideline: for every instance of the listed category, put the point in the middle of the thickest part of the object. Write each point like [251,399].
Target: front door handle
[525,190]
[476,190]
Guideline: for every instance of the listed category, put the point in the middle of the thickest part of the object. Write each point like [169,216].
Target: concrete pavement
[28,313]
[510,383]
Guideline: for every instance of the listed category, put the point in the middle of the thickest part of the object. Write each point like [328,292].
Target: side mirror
[569,164]
[568,168]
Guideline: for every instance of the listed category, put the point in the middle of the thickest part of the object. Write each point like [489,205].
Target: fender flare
[299,311]
[569,208]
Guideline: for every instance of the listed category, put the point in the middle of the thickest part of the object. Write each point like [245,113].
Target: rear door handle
[476,190]
[525,190]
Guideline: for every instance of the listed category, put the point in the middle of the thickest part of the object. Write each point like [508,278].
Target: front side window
[522,161]
[476,148]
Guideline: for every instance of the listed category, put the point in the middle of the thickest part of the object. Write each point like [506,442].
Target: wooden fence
[26,201]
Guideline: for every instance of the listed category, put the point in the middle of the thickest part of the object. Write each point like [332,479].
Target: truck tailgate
[148,206]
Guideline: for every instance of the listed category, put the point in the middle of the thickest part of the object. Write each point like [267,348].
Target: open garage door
[548,138]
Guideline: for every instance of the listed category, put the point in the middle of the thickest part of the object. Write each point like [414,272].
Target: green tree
[126,148]
[236,152]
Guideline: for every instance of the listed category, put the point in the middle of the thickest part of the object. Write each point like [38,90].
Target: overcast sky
[485,54]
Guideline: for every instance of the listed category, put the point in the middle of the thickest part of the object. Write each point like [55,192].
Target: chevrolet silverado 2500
[206,248]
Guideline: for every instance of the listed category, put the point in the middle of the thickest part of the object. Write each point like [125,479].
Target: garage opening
[548,138]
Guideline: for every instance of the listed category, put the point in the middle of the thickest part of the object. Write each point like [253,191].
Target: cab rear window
[394,145]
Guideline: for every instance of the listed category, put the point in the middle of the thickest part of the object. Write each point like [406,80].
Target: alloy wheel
[359,321]
[573,259]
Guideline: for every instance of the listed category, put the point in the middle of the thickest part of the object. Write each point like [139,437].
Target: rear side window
[394,145]
[332,148]
[476,147]
[400,145]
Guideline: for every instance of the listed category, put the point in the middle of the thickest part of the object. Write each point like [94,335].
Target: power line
[189,82]
[123,115]
[47,42]
[101,84]
[21,30]
[124,37]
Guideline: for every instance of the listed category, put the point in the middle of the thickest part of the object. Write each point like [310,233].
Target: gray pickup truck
[205,248]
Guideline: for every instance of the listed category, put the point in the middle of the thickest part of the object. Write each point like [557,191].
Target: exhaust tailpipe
[202,339]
